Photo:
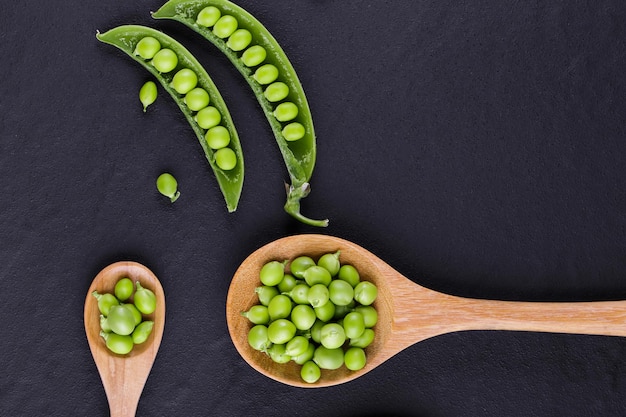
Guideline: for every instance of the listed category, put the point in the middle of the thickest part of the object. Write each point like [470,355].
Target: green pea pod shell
[299,155]
[126,38]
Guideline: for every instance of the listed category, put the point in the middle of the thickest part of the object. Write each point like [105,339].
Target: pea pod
[127,38]
[264,65]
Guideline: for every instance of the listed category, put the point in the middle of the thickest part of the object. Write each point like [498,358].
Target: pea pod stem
[299,155]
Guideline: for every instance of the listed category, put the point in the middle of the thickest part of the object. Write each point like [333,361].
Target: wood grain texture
[408,313]
[124,376]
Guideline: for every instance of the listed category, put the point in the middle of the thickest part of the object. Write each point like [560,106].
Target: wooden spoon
[124,376]
[407,312]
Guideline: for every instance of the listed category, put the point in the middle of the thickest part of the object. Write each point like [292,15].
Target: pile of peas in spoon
[317,314]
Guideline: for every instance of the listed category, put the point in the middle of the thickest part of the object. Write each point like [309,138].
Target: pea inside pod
[188,83]
[272,78]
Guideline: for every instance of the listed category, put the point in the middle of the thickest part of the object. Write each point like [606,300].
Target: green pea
[318,295]
[341,293]
[328,358]
[145,299]
[197,99]
[272,273]
[330,261]
[168,186]
[104,325]
[370,315]
[225,26]
[299,294]
[297,346]
[349,274]
[353,324]
[293,131]
[217,137]
[147,94]
[253,56]
[124,289]
[310,372]
[365,293]
[317,275]
[257,314]
[120,344]
[300,264]
[266,74]
[184,81]
[303,316]
[136,313]
[279,307]
[257,337]
[287,283]
[226,159]
[306,356]
[142,331]
[277,353]
[276,91]
[147,47]
[355,359]
[286,111]
[281,331]
[266,293]
[165,60]
[316,330]
[363,341]
[239,40]
[208,117]
[121,320]
[105,302]
[332,335]
[326,312]
[208,16]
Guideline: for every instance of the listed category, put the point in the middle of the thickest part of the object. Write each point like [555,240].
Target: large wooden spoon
[124,376]
[408,313]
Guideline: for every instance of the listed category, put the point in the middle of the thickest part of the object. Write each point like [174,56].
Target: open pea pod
[264,65]
[195,96]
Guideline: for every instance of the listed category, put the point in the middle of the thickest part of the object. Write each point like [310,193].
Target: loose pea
[306,356]
[279,307]
[363,341]
[370,315]
[145,299]
[266,74]
[208,16]
[340,292]
[303,316]
[136,313]
[257,337]
[286,111]
[147,47]
[142,332]
[217,137]
[265,294]
[148,94]
[208,117]
[197,99]
[300,264]
[254,56]
[276,91]
[287,283]
[332,336]
[318,295]
[299,294]
[365,293]
[239,40]
[272,273]
[257,314]
[330,261]
[317,275]
[226,159]
[293,131]
[184,81]
[168,186]
[225,26]
[349,274]
[105,302]
[310,372]
[120,344]
[326,311]
[353,324]
[165,60]
[121,320]
[297,346]
[124,289]
[328,358]
[355,359]
[277,353]
[281,331]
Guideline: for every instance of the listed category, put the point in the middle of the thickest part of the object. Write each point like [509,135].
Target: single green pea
[257,314]
[168,186]
[318,295]
[279,307]
[225,26]
[330,261]
[326,312]
[217,137]
[303,316]
[332,336]
[208,117]
[328,358]
[226,159]
[370,315]
[310,372]
[121,320]
[363,341]
[239,40]
[281,331]
[297,346]
[120,344]
[287,283]
[208,16]
[184,81]
[286,111]
[197,99]
[277,353]
[254,56]
[165,60]
[349,274]
[365,293]
[136,313]
[300,264]
[147,47]
[299,293]
[276,91]
[317,275]
[258,339]
[266,74]
[266,293]
[355,359]
[145,299]
[272,273]
[293,131]
[306,356]
[124,289]
[105,302]
[341,293]
[354,324]
[142,332]
[148,94]
[316,330]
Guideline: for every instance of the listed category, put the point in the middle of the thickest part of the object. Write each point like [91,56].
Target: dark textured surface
[478,147]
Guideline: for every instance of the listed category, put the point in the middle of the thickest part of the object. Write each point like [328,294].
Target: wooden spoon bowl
[407,312]
[124,376]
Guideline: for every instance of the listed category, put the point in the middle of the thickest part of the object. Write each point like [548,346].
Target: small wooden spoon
[407,312]
[124,376]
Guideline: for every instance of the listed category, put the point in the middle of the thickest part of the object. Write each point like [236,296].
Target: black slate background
[478,147]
